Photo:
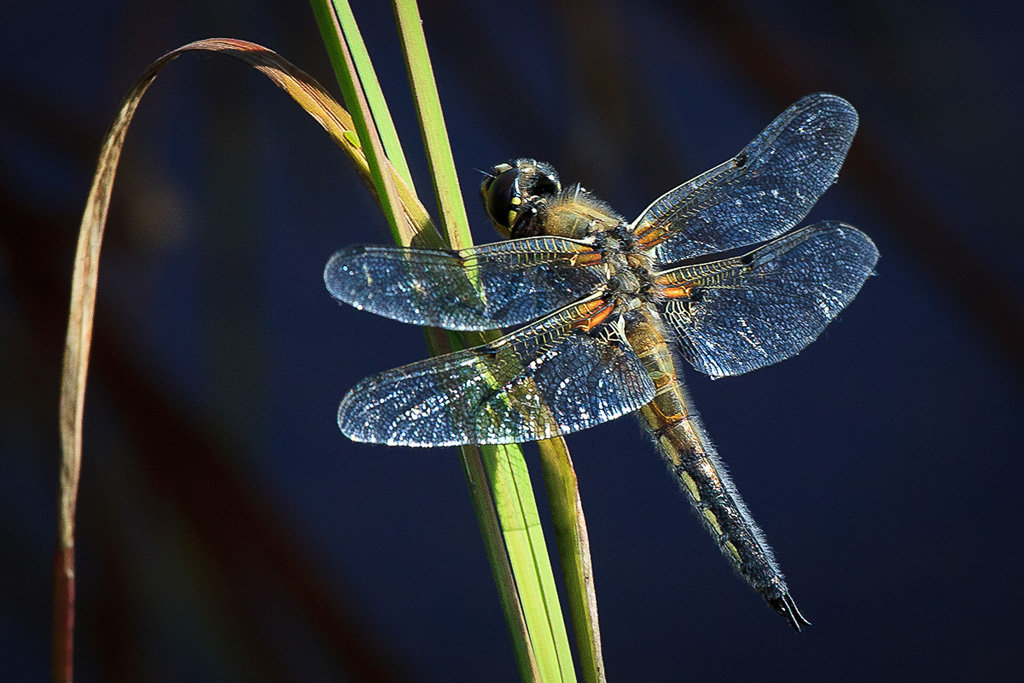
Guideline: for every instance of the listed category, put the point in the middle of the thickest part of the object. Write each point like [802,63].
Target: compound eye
[503,199]
[491,175]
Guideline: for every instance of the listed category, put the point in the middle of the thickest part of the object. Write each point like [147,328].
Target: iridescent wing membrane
[481,288]
[546,379]
[744,313]
[760,193]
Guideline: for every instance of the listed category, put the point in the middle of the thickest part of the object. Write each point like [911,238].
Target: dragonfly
[606,311]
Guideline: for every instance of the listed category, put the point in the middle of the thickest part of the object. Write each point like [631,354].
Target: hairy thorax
[577,215]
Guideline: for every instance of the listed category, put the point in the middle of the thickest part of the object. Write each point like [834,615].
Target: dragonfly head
[514,195]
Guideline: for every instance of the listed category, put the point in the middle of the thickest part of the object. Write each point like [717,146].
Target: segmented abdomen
[703,478]
[691,457]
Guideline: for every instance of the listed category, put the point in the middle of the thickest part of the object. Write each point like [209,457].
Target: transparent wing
[760,193]
[547,379]
[493,285]
[743,313]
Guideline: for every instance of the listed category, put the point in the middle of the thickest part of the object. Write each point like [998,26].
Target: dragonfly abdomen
[691,457]
[714,498]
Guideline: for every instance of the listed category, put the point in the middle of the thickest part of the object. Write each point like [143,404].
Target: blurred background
[228,531]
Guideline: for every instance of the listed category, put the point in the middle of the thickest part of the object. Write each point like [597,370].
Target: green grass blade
[477,478]
[435,135]
[524,538]
[574,554]
[338,42]
[513,493]
[526,586]
[367,76]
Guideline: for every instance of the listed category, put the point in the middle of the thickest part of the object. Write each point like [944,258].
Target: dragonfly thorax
[628,270]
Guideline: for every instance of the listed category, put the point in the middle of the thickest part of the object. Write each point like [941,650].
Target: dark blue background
[227,531]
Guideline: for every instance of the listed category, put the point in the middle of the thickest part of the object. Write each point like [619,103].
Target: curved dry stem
[319,104]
